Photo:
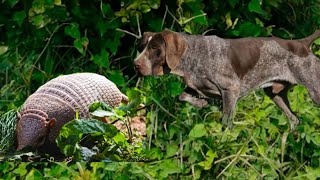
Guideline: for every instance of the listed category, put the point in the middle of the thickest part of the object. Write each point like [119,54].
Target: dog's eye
[153,46]
[158,53]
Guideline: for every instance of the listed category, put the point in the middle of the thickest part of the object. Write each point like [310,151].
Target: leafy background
[41,39]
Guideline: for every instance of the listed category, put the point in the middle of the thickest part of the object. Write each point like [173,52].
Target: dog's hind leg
[229,100]
[307,73]
[279,97]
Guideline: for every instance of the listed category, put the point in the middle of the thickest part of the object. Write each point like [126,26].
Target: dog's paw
[200,103]
[227,120]
[293,123]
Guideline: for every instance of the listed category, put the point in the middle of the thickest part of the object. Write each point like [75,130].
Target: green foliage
[41,39]
[7,131]
[94,140]
[259,146]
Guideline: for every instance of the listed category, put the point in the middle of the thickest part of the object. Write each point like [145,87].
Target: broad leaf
[198,131]
[72,30]
[255,6]
[72,132]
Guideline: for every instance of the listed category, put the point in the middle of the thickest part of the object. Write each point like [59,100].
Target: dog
[230,68]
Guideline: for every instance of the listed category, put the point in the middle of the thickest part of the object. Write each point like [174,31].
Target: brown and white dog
[230,68]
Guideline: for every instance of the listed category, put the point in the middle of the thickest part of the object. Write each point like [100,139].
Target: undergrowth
[40,40]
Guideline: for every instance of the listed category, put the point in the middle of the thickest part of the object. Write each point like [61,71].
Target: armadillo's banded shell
[65,94]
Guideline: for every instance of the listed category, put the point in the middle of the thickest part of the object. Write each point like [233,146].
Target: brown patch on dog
[244,54]
[296,47]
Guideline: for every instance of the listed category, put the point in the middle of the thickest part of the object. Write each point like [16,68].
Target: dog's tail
[308,40]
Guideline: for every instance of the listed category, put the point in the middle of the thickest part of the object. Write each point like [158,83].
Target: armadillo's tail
[308,40]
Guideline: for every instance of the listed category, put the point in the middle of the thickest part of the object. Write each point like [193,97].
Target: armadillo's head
[33,128]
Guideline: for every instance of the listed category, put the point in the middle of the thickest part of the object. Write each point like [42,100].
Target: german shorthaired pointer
[230,68]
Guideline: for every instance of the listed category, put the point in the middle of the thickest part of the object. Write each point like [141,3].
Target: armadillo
[56,102]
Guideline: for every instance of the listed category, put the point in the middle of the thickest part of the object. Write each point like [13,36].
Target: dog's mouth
[138,71]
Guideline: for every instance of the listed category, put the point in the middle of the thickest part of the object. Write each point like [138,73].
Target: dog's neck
[188,60]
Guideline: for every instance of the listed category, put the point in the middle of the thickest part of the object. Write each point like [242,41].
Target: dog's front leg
[229,100]
[189,96]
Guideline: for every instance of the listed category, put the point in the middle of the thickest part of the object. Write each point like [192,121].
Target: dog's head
[160,52]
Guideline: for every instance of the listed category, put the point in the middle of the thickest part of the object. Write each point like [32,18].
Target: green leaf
[38,21]
[187,28]
[114,43]
[11,3]
[7,130]
[81,44]
[169,166]
[120,139]
[102,59]
[19,17]
[249,29]
[34,174]
[117,78]
[72,132]
[207,163]
[172,150]
[200,19]
[228,20]
[100,105]
[154,153]
[255,6]
[102,27]
[317,41]
[315,138]
[85,42]
[175,89]
[144,8]
[154,4]
[3,49]
[57,2]
[78,45]
[233,3]
[317,52]
[106,10]
[101,109]
[72,30]
[198,131]
[21,170]
[102,113]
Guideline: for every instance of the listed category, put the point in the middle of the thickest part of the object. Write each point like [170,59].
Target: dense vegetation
[41,39]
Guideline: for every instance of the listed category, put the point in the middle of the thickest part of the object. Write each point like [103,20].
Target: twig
[181,150]
[127,32]
[190,19]
[172,15]
[252,167]
[233,160]
[164,16]
[49,40]
[139,30]
[204,33]
[152,126]
[166,111]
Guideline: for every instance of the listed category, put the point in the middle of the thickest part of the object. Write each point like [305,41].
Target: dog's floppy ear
[175,47]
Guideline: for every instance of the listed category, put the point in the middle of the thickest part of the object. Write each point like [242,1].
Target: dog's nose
[137,66]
